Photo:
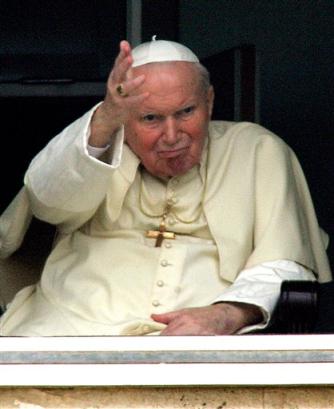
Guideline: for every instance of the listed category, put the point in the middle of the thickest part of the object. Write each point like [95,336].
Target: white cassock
[106,277]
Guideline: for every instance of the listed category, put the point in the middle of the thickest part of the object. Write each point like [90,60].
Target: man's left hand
[217,319]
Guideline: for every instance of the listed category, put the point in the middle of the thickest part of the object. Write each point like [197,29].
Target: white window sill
[169,361]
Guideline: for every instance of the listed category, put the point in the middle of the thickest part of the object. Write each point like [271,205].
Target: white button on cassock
[155,303]
[171,220]
[164,263]
[160,283]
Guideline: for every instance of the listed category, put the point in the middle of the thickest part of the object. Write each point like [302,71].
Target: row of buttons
[167,244]
[160,283]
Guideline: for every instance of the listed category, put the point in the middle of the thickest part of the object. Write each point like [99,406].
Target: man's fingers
[210,320]
[122,63]
[120,69]
[125,46]
[128,87]
[134,102]
[124,51]
[136,82]
[165,318]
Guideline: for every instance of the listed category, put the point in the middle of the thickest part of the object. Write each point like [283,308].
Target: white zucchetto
[161,50]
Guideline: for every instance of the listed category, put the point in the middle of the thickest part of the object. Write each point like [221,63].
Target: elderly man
[168,223]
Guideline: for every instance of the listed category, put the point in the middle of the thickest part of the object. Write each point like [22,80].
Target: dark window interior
[54,60]
[28,123]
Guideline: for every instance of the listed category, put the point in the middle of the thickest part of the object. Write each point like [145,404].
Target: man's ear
[210,99]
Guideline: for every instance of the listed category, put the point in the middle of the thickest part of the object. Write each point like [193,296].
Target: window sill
[170,361]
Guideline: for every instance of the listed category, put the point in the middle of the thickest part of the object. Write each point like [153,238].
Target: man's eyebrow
[190,105]
[154,113]
[147,111]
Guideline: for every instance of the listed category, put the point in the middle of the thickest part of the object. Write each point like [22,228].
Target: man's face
[167,132]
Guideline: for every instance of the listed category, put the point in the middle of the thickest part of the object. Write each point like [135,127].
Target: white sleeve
[64,182]
[64,172]
[96,152]
[260,285]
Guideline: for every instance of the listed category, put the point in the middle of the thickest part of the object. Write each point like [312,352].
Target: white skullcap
[161,50]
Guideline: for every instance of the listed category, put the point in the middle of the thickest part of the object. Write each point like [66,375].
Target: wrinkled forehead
[174,67]
[178,73]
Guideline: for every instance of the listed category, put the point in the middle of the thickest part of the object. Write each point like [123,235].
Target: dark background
[294,43]
[55,57]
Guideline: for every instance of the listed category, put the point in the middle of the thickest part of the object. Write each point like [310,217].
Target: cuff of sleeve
[263,295]
[113,151]
[261,286]
[254,327]
[96,152]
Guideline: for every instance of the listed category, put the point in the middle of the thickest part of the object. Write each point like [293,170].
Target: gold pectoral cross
[161,233]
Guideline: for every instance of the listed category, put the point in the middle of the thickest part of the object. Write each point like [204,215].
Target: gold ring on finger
[120,90]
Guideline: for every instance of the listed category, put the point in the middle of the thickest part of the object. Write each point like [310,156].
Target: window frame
[248,360]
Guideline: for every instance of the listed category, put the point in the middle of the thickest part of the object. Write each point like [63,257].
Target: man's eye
[149,118]
[186,111]
[189,110]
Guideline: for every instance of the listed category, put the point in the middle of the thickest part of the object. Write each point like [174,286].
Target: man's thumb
[165,318]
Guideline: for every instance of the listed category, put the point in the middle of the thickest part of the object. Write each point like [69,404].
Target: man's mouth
[172,153]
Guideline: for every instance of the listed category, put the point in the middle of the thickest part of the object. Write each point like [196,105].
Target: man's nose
[170,131]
